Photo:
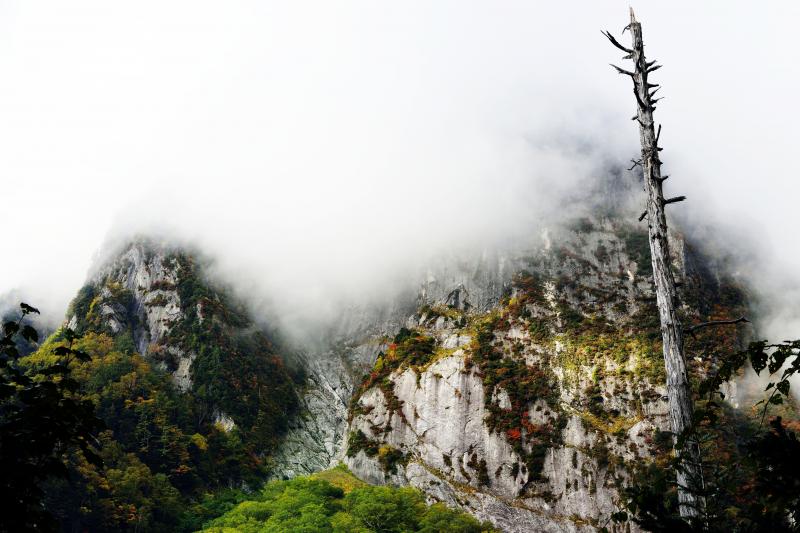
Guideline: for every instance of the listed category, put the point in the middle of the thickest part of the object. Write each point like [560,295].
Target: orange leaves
[514,434]
[182,470]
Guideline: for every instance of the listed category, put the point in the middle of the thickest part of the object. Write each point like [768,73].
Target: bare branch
[674,200]
[616,43]
[641,217]
[702,325]
[651,69]
[658,134]
[636,162]
[622,70]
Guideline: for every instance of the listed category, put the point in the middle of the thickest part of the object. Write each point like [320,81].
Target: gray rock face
[442,416]
[150,305]
[335,365]
[596,274]
[162,302]
[338,360]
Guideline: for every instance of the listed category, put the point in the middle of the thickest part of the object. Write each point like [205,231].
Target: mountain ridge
[501,384]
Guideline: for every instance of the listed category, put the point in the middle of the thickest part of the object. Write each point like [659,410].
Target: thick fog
[321,149]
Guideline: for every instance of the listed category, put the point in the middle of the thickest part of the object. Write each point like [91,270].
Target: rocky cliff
[529,389]
[157,300]
[524,386]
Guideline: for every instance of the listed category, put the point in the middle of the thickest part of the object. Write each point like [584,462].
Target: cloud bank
[323,148]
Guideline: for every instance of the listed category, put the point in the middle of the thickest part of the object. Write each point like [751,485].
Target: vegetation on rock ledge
[341,504]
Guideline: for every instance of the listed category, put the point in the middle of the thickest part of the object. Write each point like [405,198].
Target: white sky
[320,143]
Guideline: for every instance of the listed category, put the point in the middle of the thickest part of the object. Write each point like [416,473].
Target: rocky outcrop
[156,300]
[522,386]
[533,403]
[340,355]
[136,293]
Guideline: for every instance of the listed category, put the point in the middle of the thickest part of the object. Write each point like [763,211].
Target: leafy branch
[761,354]
[42,418]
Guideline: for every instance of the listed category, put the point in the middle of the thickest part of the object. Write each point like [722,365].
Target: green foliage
[80,306]
[583,225]
[761,355]
[340,476]
[308,504]
[637,245]
[441,518]
[613,351]
[161,452]
[409,348]
[388,456]
[165,458]
[751,474]
[211,506]
[529,290]
[385,508]
[525,384]
[42,421]
[571,318]
[236,369]
[359,442]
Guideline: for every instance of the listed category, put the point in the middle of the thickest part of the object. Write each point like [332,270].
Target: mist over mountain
[308,263]
[284,138]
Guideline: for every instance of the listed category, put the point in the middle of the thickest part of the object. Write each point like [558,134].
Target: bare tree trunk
[678,388]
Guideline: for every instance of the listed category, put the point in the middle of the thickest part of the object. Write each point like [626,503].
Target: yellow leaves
[614,426]
[138,402]
[92,305]
[181,470]
[95,344]
[128,381]
[222,428]
[385,450]
[610,354]
[199,441]
[340,476]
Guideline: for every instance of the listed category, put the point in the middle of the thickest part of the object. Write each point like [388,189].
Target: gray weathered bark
[678,388]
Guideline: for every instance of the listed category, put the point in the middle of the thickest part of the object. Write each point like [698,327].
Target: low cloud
[322,150]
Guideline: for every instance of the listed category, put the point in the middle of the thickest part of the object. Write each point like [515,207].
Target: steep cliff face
[532,404]
[194,395]
[524,387]
[136,296]
[336,359]
[157,301]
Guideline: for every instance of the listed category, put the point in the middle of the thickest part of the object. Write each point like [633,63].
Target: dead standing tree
[679,390]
